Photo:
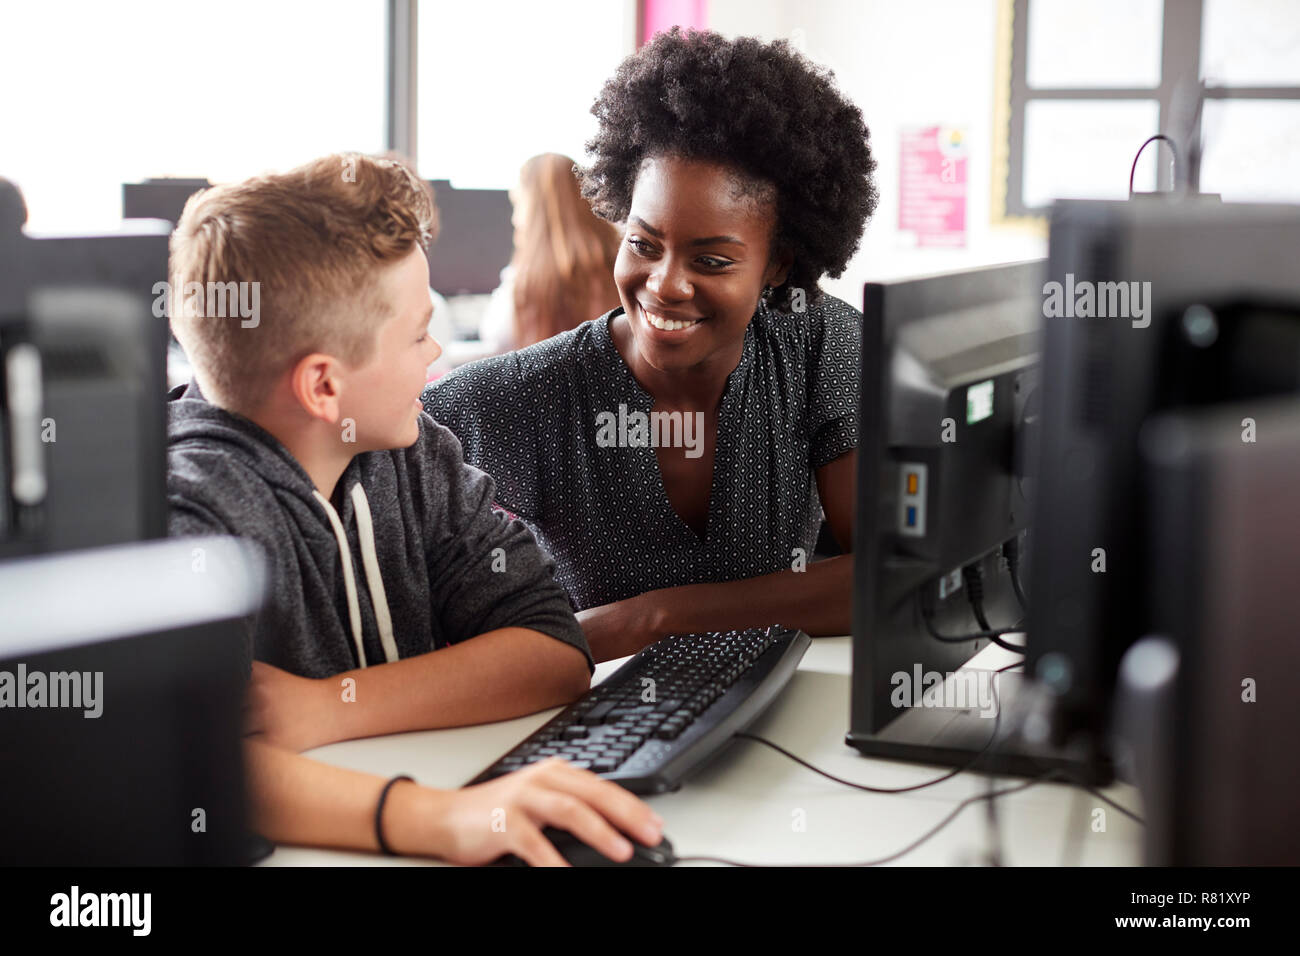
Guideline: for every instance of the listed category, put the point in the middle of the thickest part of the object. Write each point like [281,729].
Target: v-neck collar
[735,378]
[732,389]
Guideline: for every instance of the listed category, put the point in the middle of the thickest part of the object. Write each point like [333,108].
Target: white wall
[909,63]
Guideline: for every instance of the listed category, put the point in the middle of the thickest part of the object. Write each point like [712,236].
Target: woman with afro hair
[676,455]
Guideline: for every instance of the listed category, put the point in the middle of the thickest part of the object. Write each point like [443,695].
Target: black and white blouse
[532,420]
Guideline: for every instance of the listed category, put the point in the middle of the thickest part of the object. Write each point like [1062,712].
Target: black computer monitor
[475,239]
[159,198]
[1162,307]
[121,683]
[475,235]
[83,341]
[948,406]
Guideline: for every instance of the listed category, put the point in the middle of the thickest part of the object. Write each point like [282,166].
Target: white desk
[745,803]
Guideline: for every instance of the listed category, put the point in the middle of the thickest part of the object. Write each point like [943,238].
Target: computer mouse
[253,848]
[578,853]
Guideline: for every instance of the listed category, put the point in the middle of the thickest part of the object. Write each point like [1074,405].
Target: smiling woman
[740,177]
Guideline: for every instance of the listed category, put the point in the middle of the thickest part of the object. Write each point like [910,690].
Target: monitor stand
[952,726]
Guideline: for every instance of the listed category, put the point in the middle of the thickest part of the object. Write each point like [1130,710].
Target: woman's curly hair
[762,108]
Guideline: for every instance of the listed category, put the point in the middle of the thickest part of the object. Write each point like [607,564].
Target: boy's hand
[287,711]
[478,824]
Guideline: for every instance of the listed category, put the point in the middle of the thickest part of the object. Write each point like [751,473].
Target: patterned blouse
[540,422]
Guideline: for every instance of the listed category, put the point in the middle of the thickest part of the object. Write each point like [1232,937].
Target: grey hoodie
[427,562]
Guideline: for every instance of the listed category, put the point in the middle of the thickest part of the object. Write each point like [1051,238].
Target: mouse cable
[992,795]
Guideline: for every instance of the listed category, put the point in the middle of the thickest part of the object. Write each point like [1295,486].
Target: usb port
[911,516]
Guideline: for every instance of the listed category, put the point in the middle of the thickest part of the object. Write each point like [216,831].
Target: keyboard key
[598,713]
[614,727]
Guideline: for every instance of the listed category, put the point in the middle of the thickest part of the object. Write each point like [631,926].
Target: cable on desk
[1075,781]
[989,795]
[744,735]
[893,856]
[1070,778]
[997,718]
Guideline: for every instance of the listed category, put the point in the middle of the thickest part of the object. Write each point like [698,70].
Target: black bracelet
[379,814]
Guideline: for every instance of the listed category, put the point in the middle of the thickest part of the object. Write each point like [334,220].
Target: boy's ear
[317,384]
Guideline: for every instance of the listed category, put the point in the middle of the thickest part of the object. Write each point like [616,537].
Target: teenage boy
[398,599]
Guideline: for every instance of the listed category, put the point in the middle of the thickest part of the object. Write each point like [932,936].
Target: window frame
[1180,56]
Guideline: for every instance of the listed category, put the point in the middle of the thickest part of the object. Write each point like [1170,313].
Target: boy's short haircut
[311,238]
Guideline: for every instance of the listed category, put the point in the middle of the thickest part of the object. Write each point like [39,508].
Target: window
[502,80]
[98,94]
[1088,83]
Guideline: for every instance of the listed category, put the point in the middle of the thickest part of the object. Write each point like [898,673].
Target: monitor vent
[1097,379]
[1095,410]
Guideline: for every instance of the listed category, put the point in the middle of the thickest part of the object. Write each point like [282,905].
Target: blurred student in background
[562,272]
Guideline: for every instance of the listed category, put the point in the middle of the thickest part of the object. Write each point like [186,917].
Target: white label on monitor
[979,402]
[911,499]
[950,583]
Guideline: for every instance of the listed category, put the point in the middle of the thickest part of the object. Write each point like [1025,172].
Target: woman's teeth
[667,325]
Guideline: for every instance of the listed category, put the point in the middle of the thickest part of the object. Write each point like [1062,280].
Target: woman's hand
[624,627]
[478,824]
[288,711]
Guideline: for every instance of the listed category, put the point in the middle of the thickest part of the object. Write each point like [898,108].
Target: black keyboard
[668,709]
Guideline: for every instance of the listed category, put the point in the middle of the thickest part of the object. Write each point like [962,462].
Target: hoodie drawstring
[375,580]
[370,561]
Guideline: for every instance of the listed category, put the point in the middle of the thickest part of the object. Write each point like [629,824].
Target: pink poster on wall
[932,187]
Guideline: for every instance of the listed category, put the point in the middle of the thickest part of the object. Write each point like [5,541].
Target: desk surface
[748,803]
